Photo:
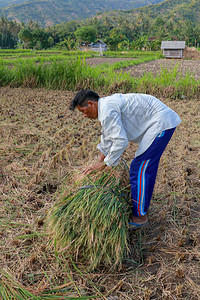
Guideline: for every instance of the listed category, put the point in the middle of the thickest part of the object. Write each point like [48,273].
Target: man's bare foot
[140,220]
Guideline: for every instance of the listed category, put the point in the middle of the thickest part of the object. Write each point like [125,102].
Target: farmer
[139,118]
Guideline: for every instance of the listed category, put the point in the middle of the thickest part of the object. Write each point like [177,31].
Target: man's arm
[101,157]
[114,137]
[113,142]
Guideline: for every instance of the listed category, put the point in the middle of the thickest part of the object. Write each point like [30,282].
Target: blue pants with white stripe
[143,171]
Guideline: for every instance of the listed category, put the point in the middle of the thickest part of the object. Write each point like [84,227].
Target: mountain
[174,10]
[4,3]
[51,12]
[179,9]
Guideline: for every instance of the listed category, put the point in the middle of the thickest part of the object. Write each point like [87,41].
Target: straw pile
[91,223]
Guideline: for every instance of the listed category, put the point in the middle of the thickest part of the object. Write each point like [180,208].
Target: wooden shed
[173,49]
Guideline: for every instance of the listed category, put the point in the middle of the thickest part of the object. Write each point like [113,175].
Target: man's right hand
[99,166]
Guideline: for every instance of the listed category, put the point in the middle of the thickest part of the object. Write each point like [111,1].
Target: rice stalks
[91,222]
[11,289]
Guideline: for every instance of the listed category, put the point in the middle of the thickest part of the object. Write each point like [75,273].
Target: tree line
[117,32]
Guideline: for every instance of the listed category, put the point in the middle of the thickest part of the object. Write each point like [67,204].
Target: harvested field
[185,66]
[41,142]
[105,60]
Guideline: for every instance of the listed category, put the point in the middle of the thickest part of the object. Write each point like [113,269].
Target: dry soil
[41,142]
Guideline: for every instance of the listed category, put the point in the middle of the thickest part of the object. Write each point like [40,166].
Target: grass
[69,71]
[172,81]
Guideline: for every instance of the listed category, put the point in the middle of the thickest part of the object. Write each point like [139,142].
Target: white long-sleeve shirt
[138,118]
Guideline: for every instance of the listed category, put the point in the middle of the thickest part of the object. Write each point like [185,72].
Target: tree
[86,34]
[114,39]
[26,36]
[124,45]
[50,41]
[40,39]
[68,44]
[13,28]
[8,33]
[159,22]
[4,30]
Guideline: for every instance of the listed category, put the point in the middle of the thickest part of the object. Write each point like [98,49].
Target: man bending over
[139,118]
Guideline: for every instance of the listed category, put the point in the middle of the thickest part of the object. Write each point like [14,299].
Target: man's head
[87,102]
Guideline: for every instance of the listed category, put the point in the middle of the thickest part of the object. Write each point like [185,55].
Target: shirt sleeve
[114,139]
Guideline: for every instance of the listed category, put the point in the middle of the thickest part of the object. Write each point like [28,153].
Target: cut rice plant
[12,289]
[91,222]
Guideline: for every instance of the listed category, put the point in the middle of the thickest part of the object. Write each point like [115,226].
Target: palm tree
[4,30]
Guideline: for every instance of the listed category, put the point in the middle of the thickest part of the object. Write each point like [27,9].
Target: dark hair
[82,97]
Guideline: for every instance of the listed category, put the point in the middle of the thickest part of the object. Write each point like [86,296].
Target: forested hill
[4,3]
[174,10]
[50,12]
[120,29]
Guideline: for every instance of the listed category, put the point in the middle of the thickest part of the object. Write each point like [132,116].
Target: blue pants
[143,171]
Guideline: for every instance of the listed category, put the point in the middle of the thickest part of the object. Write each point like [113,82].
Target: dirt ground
[185,66]
[104,60]
[41,142]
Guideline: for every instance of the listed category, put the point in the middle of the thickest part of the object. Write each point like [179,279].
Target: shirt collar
[99,109]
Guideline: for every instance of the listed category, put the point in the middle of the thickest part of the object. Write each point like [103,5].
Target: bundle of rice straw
[91,222]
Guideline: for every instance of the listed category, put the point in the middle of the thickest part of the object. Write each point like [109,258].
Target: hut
[99,46]
[173,49]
